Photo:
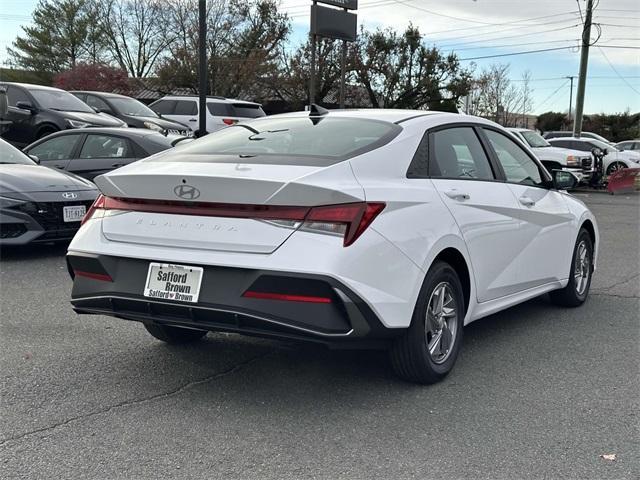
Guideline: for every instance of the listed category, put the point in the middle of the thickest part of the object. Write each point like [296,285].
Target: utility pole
[582,79]
[202,67]
[571,98]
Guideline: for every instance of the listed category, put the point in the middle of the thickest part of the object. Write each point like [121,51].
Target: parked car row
[35,111]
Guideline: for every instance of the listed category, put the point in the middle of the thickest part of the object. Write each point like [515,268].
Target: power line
[507,36]
[508,45]
[564,84]
[616,71]
[541,50]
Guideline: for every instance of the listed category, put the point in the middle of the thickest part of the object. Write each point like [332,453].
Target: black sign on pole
[332,23]
[347,4]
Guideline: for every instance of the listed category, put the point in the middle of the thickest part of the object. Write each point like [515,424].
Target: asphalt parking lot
[538,392]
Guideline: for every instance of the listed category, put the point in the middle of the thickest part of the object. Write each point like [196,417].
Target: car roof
[32,86]
[131,132]
[100,94]
[518,129]
[388,115]
[581,139]
[210,99]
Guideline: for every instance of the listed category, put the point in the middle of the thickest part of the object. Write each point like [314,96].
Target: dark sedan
[35,111]
[133,112]
[90,152]
[38,204]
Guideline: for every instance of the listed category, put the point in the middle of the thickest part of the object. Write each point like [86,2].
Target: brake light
[103,277]
[98,204]
[348,220]
[229,121]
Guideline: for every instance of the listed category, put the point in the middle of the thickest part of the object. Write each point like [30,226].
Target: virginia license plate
[173,282]
[73,214]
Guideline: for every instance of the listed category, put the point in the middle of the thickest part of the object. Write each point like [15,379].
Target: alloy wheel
[582,268]
[441,323]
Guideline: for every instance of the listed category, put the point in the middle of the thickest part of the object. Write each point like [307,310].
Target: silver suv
[221,112]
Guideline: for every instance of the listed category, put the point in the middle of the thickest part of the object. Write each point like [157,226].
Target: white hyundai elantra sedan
[374,228]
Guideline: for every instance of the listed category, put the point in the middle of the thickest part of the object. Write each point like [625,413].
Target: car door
[547,222]
[21,129]
[483,207]
[101,153]
[56,151]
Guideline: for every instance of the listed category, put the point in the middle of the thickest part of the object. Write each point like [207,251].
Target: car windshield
[534,140]
[60,100]
[132,107]
[11,155]
[333,139]
[602,145]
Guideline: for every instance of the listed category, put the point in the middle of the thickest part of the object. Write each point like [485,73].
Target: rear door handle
[527,201]
[193,120]
[457,195]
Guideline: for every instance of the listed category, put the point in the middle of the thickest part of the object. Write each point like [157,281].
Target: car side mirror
[597,152]
[563,180]
[35,158]
[26,106]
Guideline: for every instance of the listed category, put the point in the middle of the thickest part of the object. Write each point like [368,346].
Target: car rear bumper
[346,321]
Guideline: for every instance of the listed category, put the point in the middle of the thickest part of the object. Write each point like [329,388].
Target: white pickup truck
[556,158]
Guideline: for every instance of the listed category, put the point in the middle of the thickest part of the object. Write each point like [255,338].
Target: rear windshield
[290,141]
[244,110]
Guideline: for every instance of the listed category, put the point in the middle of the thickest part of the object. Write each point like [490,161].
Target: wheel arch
[588,226]
[456,259]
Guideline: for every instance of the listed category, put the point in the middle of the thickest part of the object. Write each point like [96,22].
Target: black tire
[174,335]
[45,132]
[571,295]
[615,166]
[410,357]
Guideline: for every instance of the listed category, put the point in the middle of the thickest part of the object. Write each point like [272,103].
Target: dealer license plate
[73,214]
[173,282]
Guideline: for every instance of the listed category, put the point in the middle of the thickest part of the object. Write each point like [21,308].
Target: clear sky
[479,28]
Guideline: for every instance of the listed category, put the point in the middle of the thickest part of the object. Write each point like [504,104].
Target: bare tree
[495,96]
[136,32]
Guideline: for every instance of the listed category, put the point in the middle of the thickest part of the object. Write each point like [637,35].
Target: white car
[376,228]
[221,112]
[614,159]
[632,145]
[554,158]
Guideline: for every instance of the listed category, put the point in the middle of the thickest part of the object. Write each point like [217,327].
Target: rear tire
[416,356]
[174,335]
[577,290]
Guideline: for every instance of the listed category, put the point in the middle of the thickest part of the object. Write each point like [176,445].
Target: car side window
[517,165]
[457,153]
[105,146]
[164,107]
[218,109]
[581,146]
[15,95]
[58,148]
[97,103]
[186,107]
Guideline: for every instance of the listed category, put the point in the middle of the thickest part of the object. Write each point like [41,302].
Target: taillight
[347,220]
[229,121]
[350,219]
[97,205]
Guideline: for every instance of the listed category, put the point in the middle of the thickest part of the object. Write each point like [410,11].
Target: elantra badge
[69,195]
[186,192]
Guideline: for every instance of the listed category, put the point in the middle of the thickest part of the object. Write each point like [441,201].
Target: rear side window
[290,141]
[164,107]
[245,110]
[458,153]
[219,109]
[186,107]
[97,103]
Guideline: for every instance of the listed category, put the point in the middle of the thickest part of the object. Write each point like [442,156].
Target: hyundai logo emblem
[69,195]
[187,192]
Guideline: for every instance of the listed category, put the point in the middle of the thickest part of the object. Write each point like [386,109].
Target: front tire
[174,335]
[614,167]
[429,348]
[577,290]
